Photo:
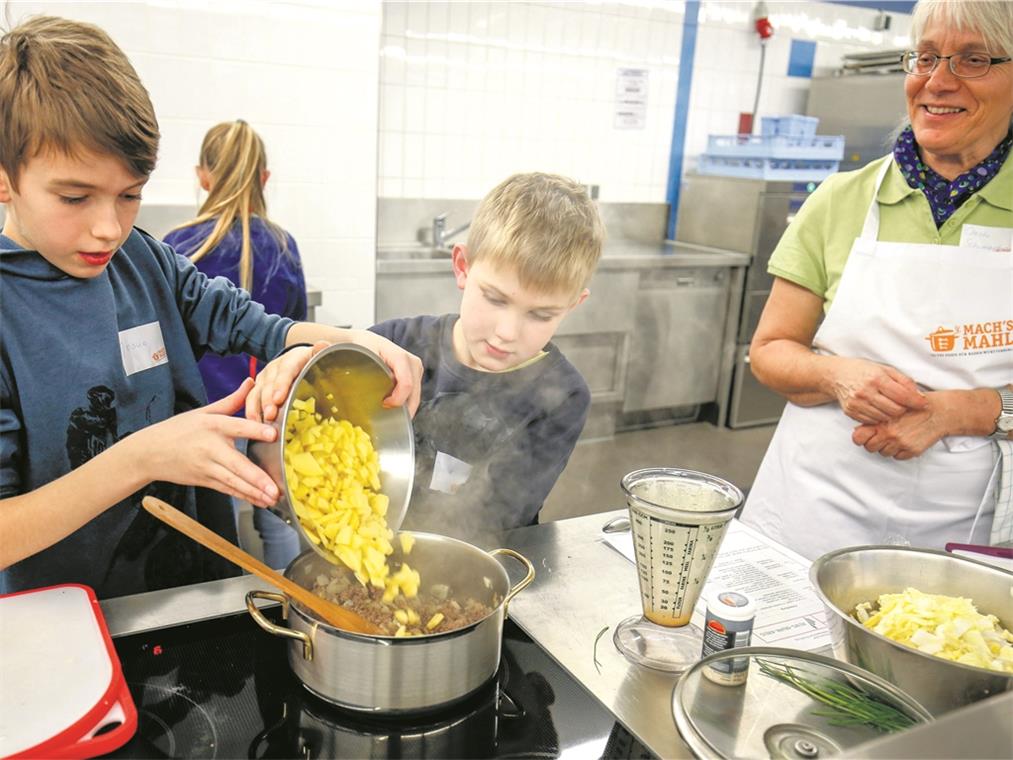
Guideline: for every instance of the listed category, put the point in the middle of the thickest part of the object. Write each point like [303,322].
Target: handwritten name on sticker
[142,347]
[999,239]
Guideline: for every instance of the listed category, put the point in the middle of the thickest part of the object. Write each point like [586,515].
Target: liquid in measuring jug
[673,561]
[678,519]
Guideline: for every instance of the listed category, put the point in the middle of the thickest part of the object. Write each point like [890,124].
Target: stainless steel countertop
[618,254]
[126,615]
[581,586]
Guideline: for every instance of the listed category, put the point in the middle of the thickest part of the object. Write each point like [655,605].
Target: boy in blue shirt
[101,401]
[502,408]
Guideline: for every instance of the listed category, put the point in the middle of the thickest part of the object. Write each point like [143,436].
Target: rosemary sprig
[847,706]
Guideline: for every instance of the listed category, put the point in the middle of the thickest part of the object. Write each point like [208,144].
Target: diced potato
[304,464]
[332,473]
[407,542]
[434,621]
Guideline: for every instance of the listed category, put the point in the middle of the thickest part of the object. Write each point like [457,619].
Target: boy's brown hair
[543,226]
[66,86]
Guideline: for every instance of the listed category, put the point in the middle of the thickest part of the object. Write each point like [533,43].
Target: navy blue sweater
[278,285]
[67,393]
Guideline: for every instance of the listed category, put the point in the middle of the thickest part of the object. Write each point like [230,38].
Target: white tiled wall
[472,91]
[304,73]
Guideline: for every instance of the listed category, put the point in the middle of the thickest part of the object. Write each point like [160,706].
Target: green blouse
[813,250]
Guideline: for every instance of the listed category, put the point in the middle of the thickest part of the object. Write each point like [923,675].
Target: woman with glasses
[889,327]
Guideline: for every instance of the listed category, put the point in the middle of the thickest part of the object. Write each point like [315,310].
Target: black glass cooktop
[223,688]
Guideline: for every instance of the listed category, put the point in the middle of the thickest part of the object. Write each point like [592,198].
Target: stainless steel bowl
[847,577]
[353,381]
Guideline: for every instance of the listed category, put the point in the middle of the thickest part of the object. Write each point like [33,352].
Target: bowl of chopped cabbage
[934,624]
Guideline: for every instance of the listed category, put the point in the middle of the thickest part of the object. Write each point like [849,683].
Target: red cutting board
[60,679]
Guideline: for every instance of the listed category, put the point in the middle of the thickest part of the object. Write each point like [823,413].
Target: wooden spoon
[329,612]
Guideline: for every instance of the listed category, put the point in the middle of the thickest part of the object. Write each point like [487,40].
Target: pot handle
[277,630]
[521,584]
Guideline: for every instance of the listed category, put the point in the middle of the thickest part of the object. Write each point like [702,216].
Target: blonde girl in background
[232,237]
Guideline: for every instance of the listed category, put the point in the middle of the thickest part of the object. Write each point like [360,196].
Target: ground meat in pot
[341,587]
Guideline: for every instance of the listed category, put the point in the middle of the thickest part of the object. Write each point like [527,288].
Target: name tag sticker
[990,238]
[142,347]
[449,473]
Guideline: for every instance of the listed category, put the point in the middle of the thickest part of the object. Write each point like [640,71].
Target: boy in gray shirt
[502,408]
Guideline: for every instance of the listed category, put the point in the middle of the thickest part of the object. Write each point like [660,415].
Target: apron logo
[943,339]
[974,337]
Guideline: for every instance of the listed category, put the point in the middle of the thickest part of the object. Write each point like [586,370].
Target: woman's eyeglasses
[963,65]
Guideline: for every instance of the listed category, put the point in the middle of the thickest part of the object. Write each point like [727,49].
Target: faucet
[440,233]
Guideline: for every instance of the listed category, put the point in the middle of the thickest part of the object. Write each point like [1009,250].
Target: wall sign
[631,99]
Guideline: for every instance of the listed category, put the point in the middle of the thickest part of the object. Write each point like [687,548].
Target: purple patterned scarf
[945,196]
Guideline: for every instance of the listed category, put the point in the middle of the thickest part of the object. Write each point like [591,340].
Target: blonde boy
[502,408]
[100,397]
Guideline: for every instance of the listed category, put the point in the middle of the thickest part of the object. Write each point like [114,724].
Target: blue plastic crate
[775,169]
[793,125]
[829,147]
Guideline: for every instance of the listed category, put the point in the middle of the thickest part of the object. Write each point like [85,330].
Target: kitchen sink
[402,252]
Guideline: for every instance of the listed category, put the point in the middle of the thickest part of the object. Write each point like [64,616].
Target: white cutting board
[55,664]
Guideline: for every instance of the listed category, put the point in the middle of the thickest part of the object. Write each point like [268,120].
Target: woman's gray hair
[992,19]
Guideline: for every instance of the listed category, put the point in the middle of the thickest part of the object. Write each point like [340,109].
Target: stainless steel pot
[846,577]
[383,674]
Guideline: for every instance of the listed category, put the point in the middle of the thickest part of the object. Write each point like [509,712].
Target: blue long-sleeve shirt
[85,363]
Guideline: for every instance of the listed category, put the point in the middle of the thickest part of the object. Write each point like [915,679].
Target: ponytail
[234,156]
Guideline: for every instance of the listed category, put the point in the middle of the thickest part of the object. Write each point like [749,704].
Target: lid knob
[806,748]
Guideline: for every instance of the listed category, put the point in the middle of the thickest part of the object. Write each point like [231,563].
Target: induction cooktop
[223,688]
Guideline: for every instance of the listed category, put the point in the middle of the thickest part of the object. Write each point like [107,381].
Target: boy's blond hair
[65,86]
[543,226]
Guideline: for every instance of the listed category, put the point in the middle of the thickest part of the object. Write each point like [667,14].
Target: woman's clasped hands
[897,419]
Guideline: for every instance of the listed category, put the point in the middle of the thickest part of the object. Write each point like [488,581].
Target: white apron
[923,309]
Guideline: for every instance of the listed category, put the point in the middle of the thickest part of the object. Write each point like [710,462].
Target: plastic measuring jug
[678,519]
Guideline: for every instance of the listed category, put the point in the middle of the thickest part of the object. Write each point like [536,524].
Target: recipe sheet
[788,612]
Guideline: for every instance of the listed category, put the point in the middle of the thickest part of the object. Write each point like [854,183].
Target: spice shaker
[728,624]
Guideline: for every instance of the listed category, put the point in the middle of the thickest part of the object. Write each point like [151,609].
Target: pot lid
[781,710]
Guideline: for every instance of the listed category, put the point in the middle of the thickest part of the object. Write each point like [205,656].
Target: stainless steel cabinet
[675,350]
[750,216]
[410,293]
